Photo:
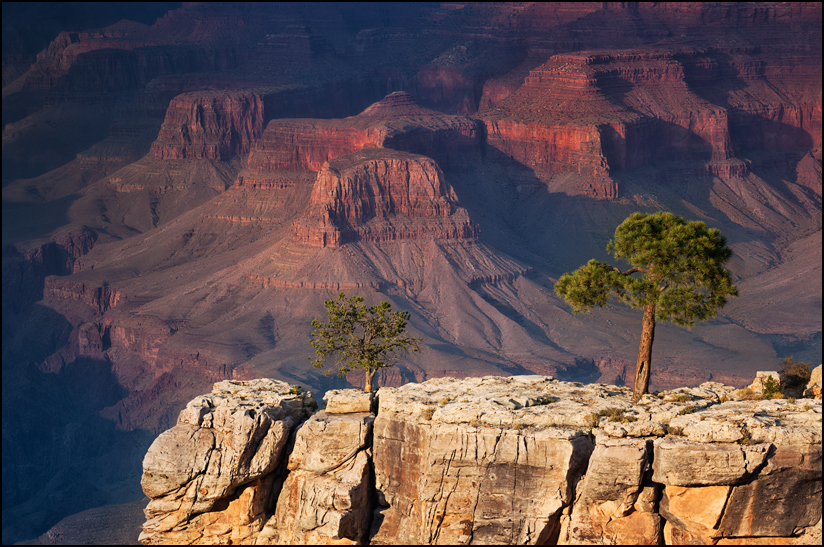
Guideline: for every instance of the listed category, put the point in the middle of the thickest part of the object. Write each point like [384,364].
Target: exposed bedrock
[396,122]
[25,270]
[599,112]
[380,194]
[518,460]
[213,469]
[213,125]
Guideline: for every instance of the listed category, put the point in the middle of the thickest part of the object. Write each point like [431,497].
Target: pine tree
[677,274]
[362,338]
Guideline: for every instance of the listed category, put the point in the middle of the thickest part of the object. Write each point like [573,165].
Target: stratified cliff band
[492,460]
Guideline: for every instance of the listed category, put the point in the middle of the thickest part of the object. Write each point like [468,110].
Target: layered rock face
[597,113]
[396,122]
[210,125]
[213,470]
[524,459]
[379,194]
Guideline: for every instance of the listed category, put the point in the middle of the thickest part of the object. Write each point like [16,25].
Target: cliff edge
[524,459]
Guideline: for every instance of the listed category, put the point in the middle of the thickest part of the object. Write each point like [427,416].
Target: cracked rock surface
[517,460]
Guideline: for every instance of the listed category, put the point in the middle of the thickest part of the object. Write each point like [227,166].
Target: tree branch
[634,269]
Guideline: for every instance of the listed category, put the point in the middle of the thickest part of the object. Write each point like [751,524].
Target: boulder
[813,389]
[345,401]
[612,506]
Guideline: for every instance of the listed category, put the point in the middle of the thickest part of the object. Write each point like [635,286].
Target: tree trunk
[642,365]
[369,375]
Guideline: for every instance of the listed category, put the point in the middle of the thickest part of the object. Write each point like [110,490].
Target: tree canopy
[676,274]
[361,337]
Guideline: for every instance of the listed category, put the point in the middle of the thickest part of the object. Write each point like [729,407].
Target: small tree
[362,338]
[677,275]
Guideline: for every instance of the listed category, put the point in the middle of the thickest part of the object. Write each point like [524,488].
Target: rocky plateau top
[522,459]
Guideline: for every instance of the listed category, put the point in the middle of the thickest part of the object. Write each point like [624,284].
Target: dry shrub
[794,373]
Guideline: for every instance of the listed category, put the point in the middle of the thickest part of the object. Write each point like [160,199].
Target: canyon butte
[184,186]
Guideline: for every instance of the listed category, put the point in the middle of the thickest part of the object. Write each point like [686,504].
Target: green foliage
[680,265]
[794,374]
[772,389]
[365,338]
[677,274]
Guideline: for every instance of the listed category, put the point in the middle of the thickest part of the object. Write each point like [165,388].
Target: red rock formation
[395,122]
[593,113]
[214,125]
[379,195]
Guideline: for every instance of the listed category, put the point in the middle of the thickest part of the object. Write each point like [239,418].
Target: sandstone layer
[500,460]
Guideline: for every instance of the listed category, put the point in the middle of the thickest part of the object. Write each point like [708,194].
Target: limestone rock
[605,505]
[525,459]
[784,497]
[761,376]
[326,441]
[325,498]
[314,509]
[813,389]
[694,511]
[214,125]
[441,482]
[379,194]
[222,441]
[683,463]
[345,401]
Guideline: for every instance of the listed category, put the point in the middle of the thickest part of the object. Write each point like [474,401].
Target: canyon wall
[379,194]
[517,460]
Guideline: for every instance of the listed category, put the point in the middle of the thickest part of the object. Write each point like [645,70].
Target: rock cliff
[523,459]
[396,122]
[215,125]
[379,194]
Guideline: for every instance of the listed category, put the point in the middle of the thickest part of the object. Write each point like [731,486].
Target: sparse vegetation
[679,431]
[445,400]
[794,374]
[772,389]
[791,400]
[683,278]
[748,394]
[362,338]
[616,415]
[689,409]
[428,412]
[746,438]
[296,390]
[682,398]
[592,420]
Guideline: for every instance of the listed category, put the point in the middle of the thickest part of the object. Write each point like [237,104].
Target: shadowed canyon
[185,185]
